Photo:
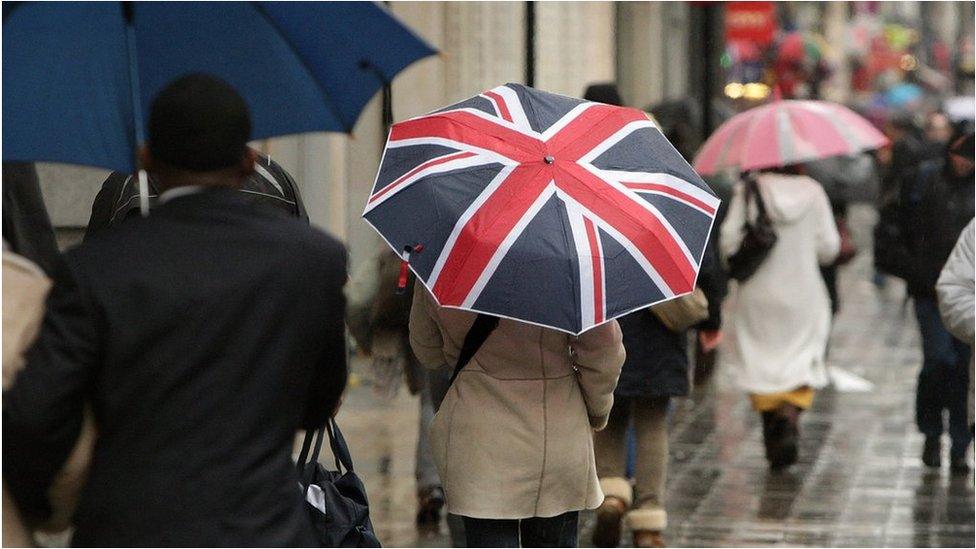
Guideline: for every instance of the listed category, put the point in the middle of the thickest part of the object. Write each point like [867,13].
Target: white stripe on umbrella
[506,244]
[463,221]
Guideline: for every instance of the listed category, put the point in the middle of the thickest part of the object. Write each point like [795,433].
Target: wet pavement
[859,481]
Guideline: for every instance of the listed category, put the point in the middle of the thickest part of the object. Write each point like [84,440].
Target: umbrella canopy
[782,133]
[542,208]
[903,95]
[960,108]
[79,76]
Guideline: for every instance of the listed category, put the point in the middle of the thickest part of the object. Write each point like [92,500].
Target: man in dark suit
[203,337]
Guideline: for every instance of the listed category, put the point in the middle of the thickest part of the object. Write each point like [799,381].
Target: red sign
[750,21]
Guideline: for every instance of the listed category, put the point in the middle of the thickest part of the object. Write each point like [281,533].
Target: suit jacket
[203,336]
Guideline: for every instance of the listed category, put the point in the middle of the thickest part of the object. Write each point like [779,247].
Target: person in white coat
[956,289]
[778,320]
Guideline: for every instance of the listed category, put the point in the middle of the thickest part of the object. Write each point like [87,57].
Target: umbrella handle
[405,267]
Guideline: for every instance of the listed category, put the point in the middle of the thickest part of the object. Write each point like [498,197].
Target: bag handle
[483,326]
[752,189]
[340,450]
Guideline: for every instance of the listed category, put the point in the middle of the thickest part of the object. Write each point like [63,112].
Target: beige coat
[24,289]
[513,437]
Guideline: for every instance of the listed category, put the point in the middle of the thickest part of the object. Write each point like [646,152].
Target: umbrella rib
[325,96]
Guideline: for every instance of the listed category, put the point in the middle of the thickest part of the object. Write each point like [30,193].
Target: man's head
[938,127]
[198,132]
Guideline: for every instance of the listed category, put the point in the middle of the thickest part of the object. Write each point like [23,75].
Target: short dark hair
[199,123]
[604,93]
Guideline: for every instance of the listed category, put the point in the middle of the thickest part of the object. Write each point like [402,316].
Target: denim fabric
[943,383]
[559,531]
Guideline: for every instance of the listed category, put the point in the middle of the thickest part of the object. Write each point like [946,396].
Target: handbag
[758,241]
[683,312]
[335,500]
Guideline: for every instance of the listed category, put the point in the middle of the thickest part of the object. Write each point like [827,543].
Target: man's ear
[145,158]
[247,163]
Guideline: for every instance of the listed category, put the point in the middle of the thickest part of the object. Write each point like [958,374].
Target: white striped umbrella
[782,133]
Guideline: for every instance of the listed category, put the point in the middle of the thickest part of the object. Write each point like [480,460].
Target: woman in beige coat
[512,439]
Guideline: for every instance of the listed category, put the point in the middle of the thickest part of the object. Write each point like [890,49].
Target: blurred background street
[907,68]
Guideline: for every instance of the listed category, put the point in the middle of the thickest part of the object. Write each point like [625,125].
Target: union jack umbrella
[542,208]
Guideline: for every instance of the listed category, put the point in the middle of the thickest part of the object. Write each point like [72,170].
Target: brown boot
[648,538]
[781,433]
[617,494]
[647,525]
[609,515]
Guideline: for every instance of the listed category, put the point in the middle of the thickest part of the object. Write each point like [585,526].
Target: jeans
[943,383]
[558,531]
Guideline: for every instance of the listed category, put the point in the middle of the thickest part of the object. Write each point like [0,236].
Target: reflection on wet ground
[859,481]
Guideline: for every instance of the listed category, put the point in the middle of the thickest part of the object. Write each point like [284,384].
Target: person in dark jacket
[656,369]
[944,208]
[26,225]
[203,337]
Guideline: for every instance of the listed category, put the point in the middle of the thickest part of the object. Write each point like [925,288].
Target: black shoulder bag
[473,340]
[758,241]
[335,500]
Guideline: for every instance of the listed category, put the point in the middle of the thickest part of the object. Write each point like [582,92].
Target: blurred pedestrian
[778,319]
[378,317]
[656,369]
[957,301]
[938,132]
[27,228]
[512,439]
[204,336]
[944,208]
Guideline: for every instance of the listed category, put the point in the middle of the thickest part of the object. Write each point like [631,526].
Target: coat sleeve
[599,354]
[956,286]
[731,233]
[331,374]
[425,336]
[43,410]
[714,282]
[827,237]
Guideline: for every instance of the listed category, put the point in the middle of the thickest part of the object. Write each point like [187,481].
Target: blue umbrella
[73,71]
[902,94]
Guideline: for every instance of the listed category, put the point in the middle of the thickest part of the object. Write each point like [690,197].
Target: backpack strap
[473,340]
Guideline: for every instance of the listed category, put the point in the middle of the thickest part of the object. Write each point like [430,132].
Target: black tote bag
[758,240]
[335,500]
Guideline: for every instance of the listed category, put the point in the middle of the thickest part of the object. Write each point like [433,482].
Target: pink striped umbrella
[786,132]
